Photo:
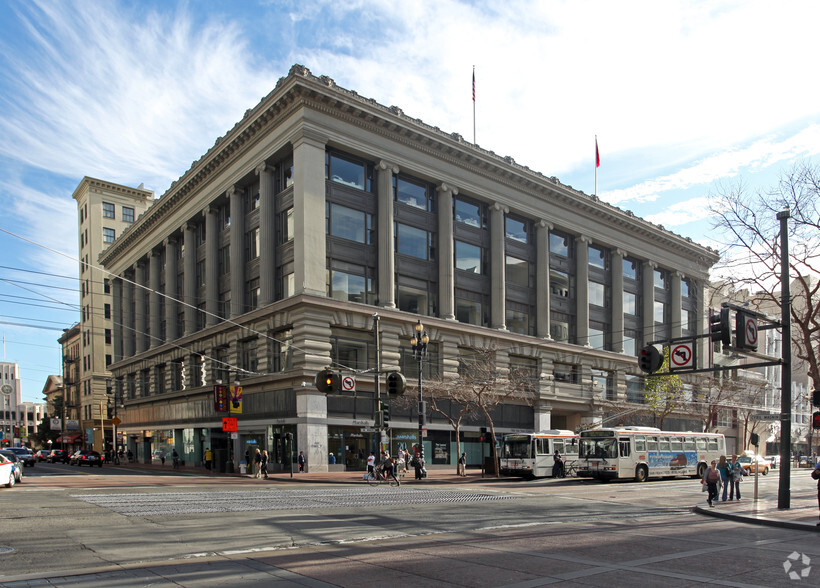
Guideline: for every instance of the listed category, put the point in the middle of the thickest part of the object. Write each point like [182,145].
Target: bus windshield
[606,447]
[517,447]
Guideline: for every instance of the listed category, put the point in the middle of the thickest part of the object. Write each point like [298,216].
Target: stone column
[189,276]
[387,259]
[128,337]
[675,311]
[171,272]
[498,282]
[237,251]
[212,265]
[153,298]
[139,306]
[309,243]
[648,302]
[267,235]
[617,320]
[116,316]
[542,279]
[446,256]
[582,290]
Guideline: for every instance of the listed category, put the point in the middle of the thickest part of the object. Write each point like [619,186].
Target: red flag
[597,157]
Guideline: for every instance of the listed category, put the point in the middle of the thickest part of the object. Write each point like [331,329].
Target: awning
[69,439]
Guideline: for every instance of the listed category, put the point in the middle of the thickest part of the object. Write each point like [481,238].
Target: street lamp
[419,346]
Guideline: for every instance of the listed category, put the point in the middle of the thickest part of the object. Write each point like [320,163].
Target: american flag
[597,157]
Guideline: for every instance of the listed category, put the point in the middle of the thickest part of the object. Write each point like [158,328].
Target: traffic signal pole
[784,490]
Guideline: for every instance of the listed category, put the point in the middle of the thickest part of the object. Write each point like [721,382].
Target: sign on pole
[682,356]
[348,384]
[229,424]
[764,417]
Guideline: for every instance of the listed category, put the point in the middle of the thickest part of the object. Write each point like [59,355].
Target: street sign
[116,421]
[229,424]
[681,356]
[348,384]
[764,417]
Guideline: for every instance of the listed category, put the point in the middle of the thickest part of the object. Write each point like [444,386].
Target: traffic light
[719,327]
[385,412]
[815,420]
[745,331]
[483,431]
[815,397]
[396,384]
[650,359]
[328,381]
[754,439]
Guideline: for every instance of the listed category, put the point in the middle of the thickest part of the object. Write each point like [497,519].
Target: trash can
[243,468]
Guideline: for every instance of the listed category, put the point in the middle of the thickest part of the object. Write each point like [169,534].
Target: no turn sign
[348,384]
[681,356]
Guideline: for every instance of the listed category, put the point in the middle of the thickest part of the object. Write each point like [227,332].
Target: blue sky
[684,97]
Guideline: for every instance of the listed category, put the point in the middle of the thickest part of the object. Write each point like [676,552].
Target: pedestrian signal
[396,384]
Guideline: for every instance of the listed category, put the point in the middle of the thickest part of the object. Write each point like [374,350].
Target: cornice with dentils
[301,89]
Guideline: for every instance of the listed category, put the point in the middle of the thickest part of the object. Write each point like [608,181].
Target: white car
[6,472]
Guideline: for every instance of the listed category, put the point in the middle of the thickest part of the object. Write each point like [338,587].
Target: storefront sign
[229,425]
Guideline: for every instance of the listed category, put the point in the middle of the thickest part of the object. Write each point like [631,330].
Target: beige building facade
[268,259]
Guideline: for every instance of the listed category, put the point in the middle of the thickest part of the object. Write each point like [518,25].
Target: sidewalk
[802,513]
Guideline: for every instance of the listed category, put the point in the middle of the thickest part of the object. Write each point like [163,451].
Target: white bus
[530,454]
[641,452]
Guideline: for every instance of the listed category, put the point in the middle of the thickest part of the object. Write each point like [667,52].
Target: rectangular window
[516,230]
[559,244]
[412,241]
[630,303]
[630,267]
[470,312]
[282,351]
[564,372]
[348,171]
[350,287]
[469,214]
[660,309]
[517,322]
[415,300]
[412,193]
[108,210]
[224,260]
[597,339]
[286,232]
[108,336]
[597,257]
[347,223]
[252,244]
[252,197]
[247,356]
[597,294]
[200,273]
[684,319]
[660,278]
[127,214]
[518,271]
[469,257]
[684,288]
[252,294]
[560,284]
[108,235]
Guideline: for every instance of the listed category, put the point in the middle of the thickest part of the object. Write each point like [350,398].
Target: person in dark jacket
[301,461]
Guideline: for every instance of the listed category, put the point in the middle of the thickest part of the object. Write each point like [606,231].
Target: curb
[756,520]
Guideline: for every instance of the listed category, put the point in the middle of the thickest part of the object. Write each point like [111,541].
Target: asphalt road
[74,520]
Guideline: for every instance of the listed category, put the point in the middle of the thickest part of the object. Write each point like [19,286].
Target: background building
[18,419]
[266,261]
[105,210]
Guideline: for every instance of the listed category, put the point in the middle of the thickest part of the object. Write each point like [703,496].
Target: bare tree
[663,391]
[751,251]
[454,412]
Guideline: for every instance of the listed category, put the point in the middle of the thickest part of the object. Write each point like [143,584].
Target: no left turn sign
[348,384]
[681,356]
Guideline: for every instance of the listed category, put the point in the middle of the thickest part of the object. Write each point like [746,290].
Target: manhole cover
[5,549]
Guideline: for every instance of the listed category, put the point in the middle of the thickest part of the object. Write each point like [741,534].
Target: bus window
[623,445]
[558,445]
[722,442]
[663,443]
[517,447]
[652,443]
[640,443]
[688,444]
[675,444]
[544,446]
[701,443]
[571,446]
[712,443]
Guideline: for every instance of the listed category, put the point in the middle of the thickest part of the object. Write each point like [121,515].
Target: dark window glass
[559,244]
[468,257]
[516,230]
[108,210]
[469,213]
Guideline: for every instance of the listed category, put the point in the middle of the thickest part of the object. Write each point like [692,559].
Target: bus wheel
[701,470]
[641,474]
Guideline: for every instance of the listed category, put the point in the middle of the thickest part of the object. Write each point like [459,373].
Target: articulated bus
[530,454]
[641,452]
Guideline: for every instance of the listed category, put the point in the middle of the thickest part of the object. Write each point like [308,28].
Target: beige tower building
[105,211]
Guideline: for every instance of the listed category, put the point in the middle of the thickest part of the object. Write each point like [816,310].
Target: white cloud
[681,213]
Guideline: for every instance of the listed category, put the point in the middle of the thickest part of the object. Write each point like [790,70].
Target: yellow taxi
[754,463]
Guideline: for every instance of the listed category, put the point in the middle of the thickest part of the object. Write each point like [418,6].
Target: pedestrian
[371,464]
[557,465]
[301,461]
[815,474]
[723,468]
[248,463]
[735,477]
[712,480]
[257,463]
[175,458]
[462,465]
[331,459]
[264,464]
[209,458]
[418,464]
[162,456]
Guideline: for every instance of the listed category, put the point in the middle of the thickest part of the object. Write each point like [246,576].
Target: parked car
[25,454]
[754,464]
[58,455]
[42,454]
[6,472]
[16,462]
[774,461]
[86,457]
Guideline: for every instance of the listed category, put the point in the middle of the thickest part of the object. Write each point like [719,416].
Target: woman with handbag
[712,480]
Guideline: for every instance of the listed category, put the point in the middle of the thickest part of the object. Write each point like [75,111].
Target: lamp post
[419,346]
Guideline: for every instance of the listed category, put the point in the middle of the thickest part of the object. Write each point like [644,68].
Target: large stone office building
[266,261]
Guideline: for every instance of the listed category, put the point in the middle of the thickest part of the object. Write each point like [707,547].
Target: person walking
[301,461]
[257,464]
[723,468]
[371,464]
[209,458]
[162,456]
[175,459]
[418,464]
[264,465]
[815,474]
[735,477]
[557,465]
[712,480]
[462,465]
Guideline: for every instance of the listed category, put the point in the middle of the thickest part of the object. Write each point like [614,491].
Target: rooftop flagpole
[474,105]
[597,164]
